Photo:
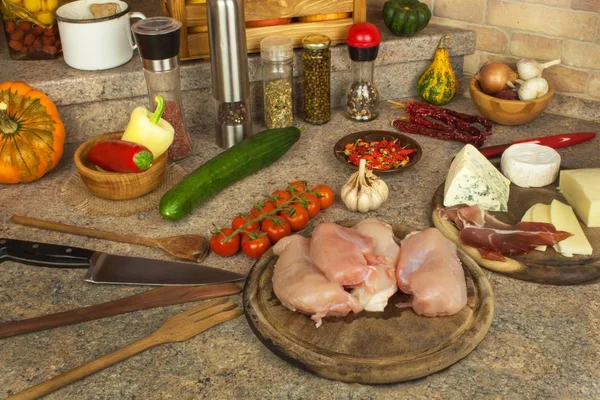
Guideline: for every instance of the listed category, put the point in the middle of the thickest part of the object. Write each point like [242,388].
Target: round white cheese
[530,164]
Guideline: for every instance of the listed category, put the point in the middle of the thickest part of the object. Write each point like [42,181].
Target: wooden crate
[194,33]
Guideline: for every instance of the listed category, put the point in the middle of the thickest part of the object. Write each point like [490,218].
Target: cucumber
[237,162]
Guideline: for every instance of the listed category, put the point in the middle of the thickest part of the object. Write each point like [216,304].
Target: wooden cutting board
[543,267]
[372,348]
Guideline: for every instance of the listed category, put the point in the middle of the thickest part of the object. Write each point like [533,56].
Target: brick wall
[541,29]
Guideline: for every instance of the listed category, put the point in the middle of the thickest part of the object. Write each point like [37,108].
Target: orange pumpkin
[32,135]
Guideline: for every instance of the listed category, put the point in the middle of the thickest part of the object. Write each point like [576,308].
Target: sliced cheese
[472,179]
[581,188]
[530,164]
[564,219]
[527,215]
[541,213]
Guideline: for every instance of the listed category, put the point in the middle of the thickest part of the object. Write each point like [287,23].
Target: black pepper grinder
[158,43]
[362,97]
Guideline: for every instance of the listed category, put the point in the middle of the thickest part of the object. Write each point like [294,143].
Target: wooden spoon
[181,327]
[186,247]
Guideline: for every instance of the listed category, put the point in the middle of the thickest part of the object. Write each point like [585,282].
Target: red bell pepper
[120,156]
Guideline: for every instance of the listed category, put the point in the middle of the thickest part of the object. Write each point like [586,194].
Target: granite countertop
[544,341]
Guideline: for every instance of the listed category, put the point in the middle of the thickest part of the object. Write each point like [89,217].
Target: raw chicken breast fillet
[428,268]
[376,298]
[344,255]
[301,286]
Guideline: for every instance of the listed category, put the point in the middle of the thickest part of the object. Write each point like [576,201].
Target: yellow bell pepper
[149,129]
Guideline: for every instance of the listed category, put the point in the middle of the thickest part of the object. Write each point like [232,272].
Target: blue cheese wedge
[472,179]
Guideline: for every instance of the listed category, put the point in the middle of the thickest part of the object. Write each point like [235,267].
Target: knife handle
[44,254]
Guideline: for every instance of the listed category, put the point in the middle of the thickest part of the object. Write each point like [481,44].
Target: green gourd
[437,85]
[405,17]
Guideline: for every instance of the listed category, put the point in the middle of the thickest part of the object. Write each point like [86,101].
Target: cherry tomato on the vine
[263,208]
[240,220]
[297,216]
[281,196]
[296,186]
[311,203]
[228,248]
[255,246]
[325,195]
[276,227]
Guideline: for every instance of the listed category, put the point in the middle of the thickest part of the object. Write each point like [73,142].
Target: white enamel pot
[95,43]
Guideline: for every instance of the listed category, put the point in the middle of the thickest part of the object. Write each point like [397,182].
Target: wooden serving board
[543,267]
[373,348]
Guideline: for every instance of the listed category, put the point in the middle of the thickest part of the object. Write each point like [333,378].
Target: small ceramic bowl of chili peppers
[118,185]
[385,151]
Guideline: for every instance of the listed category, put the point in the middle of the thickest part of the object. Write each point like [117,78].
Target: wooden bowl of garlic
[508,112]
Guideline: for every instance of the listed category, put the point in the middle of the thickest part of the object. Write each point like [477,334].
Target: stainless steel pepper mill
[229,67]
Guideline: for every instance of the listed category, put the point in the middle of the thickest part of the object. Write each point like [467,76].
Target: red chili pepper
[120,156]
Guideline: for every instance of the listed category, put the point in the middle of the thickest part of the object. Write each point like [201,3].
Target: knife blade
[554,141]
[114,269]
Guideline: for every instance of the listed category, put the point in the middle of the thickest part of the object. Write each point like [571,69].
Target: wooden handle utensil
[177,329]
[160,297]
[186,247]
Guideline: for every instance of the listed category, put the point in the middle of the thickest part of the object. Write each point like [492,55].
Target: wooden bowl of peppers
[145,173]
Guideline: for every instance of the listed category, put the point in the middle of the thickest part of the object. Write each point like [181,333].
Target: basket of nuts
[30,28]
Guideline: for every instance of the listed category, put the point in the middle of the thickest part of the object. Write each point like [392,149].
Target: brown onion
[493,77]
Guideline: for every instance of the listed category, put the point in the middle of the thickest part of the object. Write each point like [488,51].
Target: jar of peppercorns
[31,29]
[316,87]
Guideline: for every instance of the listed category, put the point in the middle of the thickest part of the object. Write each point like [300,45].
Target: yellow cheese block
[541,213]
[563,218]
[581,188]
[527,215]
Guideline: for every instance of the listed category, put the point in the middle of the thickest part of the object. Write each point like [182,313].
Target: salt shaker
[276,53]
[158,43]
[362,97]
[229,71]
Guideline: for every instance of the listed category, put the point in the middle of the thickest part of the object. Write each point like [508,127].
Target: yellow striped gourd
[437,85]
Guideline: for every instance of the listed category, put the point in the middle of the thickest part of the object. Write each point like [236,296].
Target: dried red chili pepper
[409,127]
[452,117]
[120,156]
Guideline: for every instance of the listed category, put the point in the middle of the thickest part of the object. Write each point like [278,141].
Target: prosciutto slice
[429,269]
[494,238]
[344,255]
[376,298]
[301,286]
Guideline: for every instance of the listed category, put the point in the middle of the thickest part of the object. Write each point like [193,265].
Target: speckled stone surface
[544,342]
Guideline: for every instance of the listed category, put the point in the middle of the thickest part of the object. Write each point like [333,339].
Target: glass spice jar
[278,78]
[316,85]
[31,30]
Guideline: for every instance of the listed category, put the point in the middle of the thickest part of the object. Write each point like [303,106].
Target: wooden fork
[178,328]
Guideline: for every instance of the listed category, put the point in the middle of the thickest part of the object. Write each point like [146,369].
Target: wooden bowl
[375,135]
[117,185]
[508,112]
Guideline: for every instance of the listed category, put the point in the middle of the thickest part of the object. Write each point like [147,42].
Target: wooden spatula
[159,297]
[177,329]
[185,247]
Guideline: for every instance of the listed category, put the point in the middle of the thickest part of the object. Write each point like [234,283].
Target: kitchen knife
[108,268]
[555,141]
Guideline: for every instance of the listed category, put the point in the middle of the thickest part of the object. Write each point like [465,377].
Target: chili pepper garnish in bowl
[384,151]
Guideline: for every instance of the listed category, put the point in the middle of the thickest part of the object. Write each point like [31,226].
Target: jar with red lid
[31,30]
[362,97]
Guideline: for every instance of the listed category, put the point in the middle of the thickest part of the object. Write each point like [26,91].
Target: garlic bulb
[533,88]
[364,191]
[528,69]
